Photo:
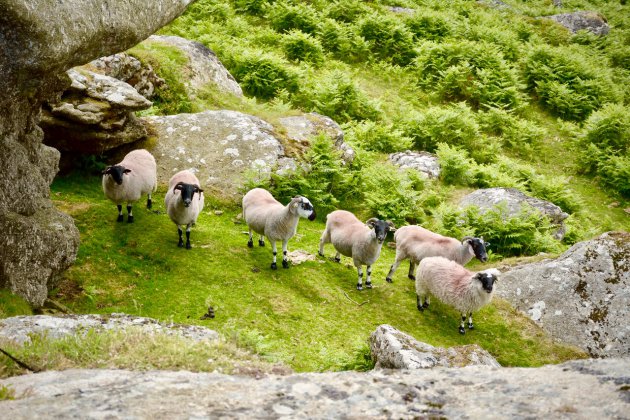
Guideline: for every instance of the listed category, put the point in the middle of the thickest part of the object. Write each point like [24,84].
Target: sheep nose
[186,202]
[484,259]
[311,217]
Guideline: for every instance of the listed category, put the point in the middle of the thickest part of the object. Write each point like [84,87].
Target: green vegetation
[13,305]
[503,98]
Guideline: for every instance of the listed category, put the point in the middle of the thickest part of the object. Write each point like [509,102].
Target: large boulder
[221,147]
[393,349]
[582,297]
[582,21]
[203,64]
[95,114]
[514,201]
[425,163]
[39,41]
[128,69]
[580,389]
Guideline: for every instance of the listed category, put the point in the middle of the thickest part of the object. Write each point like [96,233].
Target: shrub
[336,96]
[620,57]
[456,167]
[263,76]
[430,25]
[516,133]
[252,7]
[377,137]
[388,39]
[299,46]
[285,17]
[565,83]
[469,71]
[342,42]
[346,11]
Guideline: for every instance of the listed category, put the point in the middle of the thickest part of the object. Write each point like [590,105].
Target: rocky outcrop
[39,41]
[95,114]
[203,65]
[580,389]
[393,349]
[514,201]
[219,146]
[582,21]
[301,128]
[423,162]
[580,298]
[130,70]
[20,329]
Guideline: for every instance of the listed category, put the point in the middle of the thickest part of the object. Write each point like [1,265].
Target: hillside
[504,99]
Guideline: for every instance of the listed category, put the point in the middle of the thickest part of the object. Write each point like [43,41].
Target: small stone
[218,212]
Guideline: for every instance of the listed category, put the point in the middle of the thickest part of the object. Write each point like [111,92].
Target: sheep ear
[178,186]
[371,222]
[126,171]
[107,170]
[392,227]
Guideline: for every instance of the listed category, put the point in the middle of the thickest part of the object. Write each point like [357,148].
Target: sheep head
[303,207]
[187,191]
[381,228]
[116,172]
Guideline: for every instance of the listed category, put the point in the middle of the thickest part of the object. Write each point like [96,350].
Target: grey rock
[301,128]
[393,349]
[496,4]
[219,146]
[582,20]
[94,115]
[579,389]
[203,64]
[580,298]
[402,10]
[424,162]
[130,70]
[39,41]
[514,201]
[19,329]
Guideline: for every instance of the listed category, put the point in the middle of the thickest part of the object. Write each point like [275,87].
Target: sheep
[180,204]
[126,181]
[416,243]
[353,238]
[268,217]
[454,285]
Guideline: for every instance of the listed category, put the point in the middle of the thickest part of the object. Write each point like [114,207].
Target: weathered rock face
[514,200]
[393,349]
[20,328]
[204,65]
[93,115]
[130,70]
[582,20]
[219,146]
[39,41]
[581,298]
[301,128]
[424,162]
[580,389]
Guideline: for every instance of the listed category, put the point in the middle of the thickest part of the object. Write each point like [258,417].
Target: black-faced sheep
[181,205]
[125,182]
[454,285]
[360,241]
[268,217]
[416,243]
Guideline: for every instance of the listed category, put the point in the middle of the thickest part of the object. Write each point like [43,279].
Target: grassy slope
[309,316]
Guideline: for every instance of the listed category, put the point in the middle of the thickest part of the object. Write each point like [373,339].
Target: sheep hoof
[149,204]
[420,308]
[261,243]
[359,287]
[285,264]
[120,218]
[368,285]
[321,254]
[470,326]
[250,243]
[129,219]
[274,266]
[188,246]
[389,280]
[425,305]
[180,244]
[412,277]
[337,259]
[462,330]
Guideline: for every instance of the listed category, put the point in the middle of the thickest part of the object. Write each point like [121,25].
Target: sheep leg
[461,326]
[179,232]
[338,257]
[412,270]
[360,281]
[419,303]
[188,246]
[129,214]
[120,215]
[392,270]
[261,240]
[323,241]
[368,279]
[285,260]
[149,202]
[274,266]
[250,243]
[470,322]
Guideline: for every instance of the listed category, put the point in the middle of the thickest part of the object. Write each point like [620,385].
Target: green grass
[310,316]
[13,305]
